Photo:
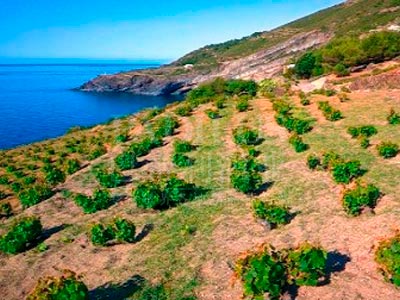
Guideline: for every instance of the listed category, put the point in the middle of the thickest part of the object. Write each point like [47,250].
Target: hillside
[261,55]
[188,246]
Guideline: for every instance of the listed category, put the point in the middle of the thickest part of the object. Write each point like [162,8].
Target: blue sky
[131,29]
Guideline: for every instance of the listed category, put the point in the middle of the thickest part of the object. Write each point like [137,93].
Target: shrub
[184,110]
[306,264]
[242,105]
[181,146]
[393,117]
[297,142]
[101,235]
[53,175]
[388,150]
[212,114]
[346,171]
[274,214]
[245,136]
[108,179]
[246,182]
[5,210]
[35,195]
[165,126]
[124,230]
[22,235]
[181,160]
[100,200]
[262,273]
[306,65]
[313,161]
[73,166]
[240,87]
[65,287]
[329,112]
[126,160]
[356,199]
[341,70]
[164,192]
[387,255]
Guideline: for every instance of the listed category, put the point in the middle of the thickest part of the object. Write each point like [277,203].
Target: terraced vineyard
[183,204]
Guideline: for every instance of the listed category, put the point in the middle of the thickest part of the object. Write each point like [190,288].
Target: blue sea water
[37,101]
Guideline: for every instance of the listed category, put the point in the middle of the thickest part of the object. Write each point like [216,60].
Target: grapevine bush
[388,150]
[387,255]
[181,160]
[329,112]
[268,271]
[163,192]
[362,196]
[145,145]
[67,287]
[346,171]
[247,164]
[181,146]
[213,114]
[126,160]
[35,195]
[274,214]
[313,162]
[101,234]
[5,210]
[108,179]
[393,117]
[23,234]
[297,142]
[245,136]
[120,230]
[246,182]
[100,200]
[242,104]
[165,126]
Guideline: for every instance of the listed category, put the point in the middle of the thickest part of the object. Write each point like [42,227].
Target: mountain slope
[261,55]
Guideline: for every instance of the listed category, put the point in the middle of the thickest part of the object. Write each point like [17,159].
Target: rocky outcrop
[386,81]
[162,81]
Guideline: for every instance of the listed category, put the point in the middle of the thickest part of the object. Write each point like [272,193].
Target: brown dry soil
[225,224]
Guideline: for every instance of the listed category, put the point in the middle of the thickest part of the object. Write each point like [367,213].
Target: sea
[37,100]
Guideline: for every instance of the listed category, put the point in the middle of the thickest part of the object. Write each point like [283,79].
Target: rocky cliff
[173,79]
